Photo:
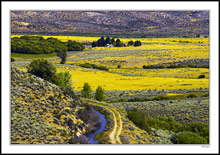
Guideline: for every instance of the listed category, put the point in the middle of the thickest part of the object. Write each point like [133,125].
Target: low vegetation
[36,45]
[75,46]
[190,133]
[162,84]
[32,56]
[173,66]
[94,66]
[100,94]
[86,91]
[44,69]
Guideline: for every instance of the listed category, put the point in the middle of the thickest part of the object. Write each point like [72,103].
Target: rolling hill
[120,23]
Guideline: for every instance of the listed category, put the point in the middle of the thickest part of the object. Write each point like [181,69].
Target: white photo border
[128,149]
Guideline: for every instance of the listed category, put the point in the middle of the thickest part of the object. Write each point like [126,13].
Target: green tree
[201,76]
[137,43]
[63,80]
[75,46]
[94,44]
[130,43]
[118,40]
[112,41]
[100,94]
[43,69]
[86,91]
[108,40]
[62,54]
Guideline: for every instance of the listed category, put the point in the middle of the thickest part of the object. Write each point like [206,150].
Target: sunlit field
[143,40]
[131,57]
[191,73]
[115,81]
[130,75]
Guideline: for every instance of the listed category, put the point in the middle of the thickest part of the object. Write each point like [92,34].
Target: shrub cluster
[135,44]
[161,66]
[189,133]
[36,45]
[187,137]
[201,76]
[146,123]
[102,42]
[94,66]
[75,46]
[44,69]
[39,45]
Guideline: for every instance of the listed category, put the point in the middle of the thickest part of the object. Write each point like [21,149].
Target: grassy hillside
[41,113]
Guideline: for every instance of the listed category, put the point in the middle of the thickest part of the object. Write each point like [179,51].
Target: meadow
[116,81]
[180,93]
[143,40]
[125,64]
[32,56]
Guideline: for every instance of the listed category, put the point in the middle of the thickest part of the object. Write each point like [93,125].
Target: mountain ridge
[123,23]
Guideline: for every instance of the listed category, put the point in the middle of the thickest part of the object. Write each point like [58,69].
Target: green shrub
[201,129]
[139,119]
[188,137]
[75,46]
[192,95]
[130,43]
[121,99]
[201,76]
[63,79]
[137,43]
[69,91]
[86,91]
[205,95]
[42,68]
[100,94]
[86,65]
[94,66]
[160,97]
[12,59]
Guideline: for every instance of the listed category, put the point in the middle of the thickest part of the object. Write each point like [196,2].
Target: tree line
[102,42]
[39,45]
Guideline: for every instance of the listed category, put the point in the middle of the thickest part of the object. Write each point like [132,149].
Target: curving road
[115,133]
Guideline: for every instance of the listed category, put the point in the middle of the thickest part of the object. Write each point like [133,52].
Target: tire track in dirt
[119,127]
[115,133]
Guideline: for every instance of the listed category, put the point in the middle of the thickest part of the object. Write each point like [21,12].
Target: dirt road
[115,133]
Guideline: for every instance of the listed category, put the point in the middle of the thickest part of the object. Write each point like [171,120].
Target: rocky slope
[124,23]
[41,114]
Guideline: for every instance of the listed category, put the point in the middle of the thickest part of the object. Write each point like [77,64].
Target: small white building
[108,45]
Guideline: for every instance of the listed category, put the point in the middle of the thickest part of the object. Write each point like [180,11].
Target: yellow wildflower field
[175,73]
[125,40]
[114,81]
[131,76]
[136,59]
